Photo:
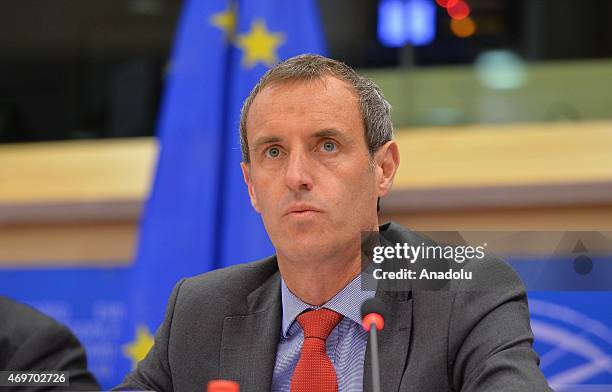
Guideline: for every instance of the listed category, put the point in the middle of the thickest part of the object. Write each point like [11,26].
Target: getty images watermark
[424,253]
[445,260]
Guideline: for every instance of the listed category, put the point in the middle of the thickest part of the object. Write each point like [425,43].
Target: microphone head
[222,386]
[373,312]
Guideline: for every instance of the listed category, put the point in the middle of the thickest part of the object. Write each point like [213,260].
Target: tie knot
[319,323]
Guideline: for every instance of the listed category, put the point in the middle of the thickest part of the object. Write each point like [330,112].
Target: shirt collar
[347,302]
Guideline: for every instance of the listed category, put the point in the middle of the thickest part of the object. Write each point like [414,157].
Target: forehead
[326,99]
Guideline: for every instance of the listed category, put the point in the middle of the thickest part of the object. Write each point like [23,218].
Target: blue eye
[273,152]
[329,146]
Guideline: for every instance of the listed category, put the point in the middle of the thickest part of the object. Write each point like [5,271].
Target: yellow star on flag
[259,45]
[138,349]
[225,20]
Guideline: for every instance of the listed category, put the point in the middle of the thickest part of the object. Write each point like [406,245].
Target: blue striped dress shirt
[346,345]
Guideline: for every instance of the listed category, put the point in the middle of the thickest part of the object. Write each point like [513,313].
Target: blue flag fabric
[199,215]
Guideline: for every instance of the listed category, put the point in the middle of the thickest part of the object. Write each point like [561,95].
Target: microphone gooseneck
[373,320]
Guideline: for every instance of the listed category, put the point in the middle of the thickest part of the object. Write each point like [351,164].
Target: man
[31,341]
[317,155]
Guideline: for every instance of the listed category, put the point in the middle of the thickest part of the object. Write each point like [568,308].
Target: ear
[387,160]
[246,173]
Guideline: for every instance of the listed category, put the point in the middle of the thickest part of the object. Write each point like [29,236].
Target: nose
[298,175]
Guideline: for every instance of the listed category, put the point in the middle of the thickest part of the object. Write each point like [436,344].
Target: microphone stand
[375,363]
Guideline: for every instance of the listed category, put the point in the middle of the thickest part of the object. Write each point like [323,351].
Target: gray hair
[375,110]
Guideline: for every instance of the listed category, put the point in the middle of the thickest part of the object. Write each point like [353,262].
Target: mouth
[301,211]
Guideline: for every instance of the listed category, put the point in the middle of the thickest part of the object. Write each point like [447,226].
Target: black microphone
[373,320]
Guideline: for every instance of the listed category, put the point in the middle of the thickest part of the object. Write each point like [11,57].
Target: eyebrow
[332,132]
[263,140]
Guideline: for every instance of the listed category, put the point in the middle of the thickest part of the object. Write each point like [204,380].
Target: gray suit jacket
[29,340]
[225,324]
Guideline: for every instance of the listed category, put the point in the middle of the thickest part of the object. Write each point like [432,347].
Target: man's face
[309,174]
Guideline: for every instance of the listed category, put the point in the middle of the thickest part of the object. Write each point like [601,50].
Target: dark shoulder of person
[32,341]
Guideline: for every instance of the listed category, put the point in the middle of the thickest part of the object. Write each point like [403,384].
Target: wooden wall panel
[92,244]
[546,218]
[78,202]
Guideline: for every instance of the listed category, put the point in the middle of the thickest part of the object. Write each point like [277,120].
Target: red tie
[314,371]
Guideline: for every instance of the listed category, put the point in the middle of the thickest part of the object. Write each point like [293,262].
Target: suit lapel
[248,344]
[394,339]
[393,342]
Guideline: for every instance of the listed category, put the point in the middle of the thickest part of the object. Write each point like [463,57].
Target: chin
[304,239]
[303,232]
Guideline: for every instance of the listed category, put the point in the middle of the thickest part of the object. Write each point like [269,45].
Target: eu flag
[199,216]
